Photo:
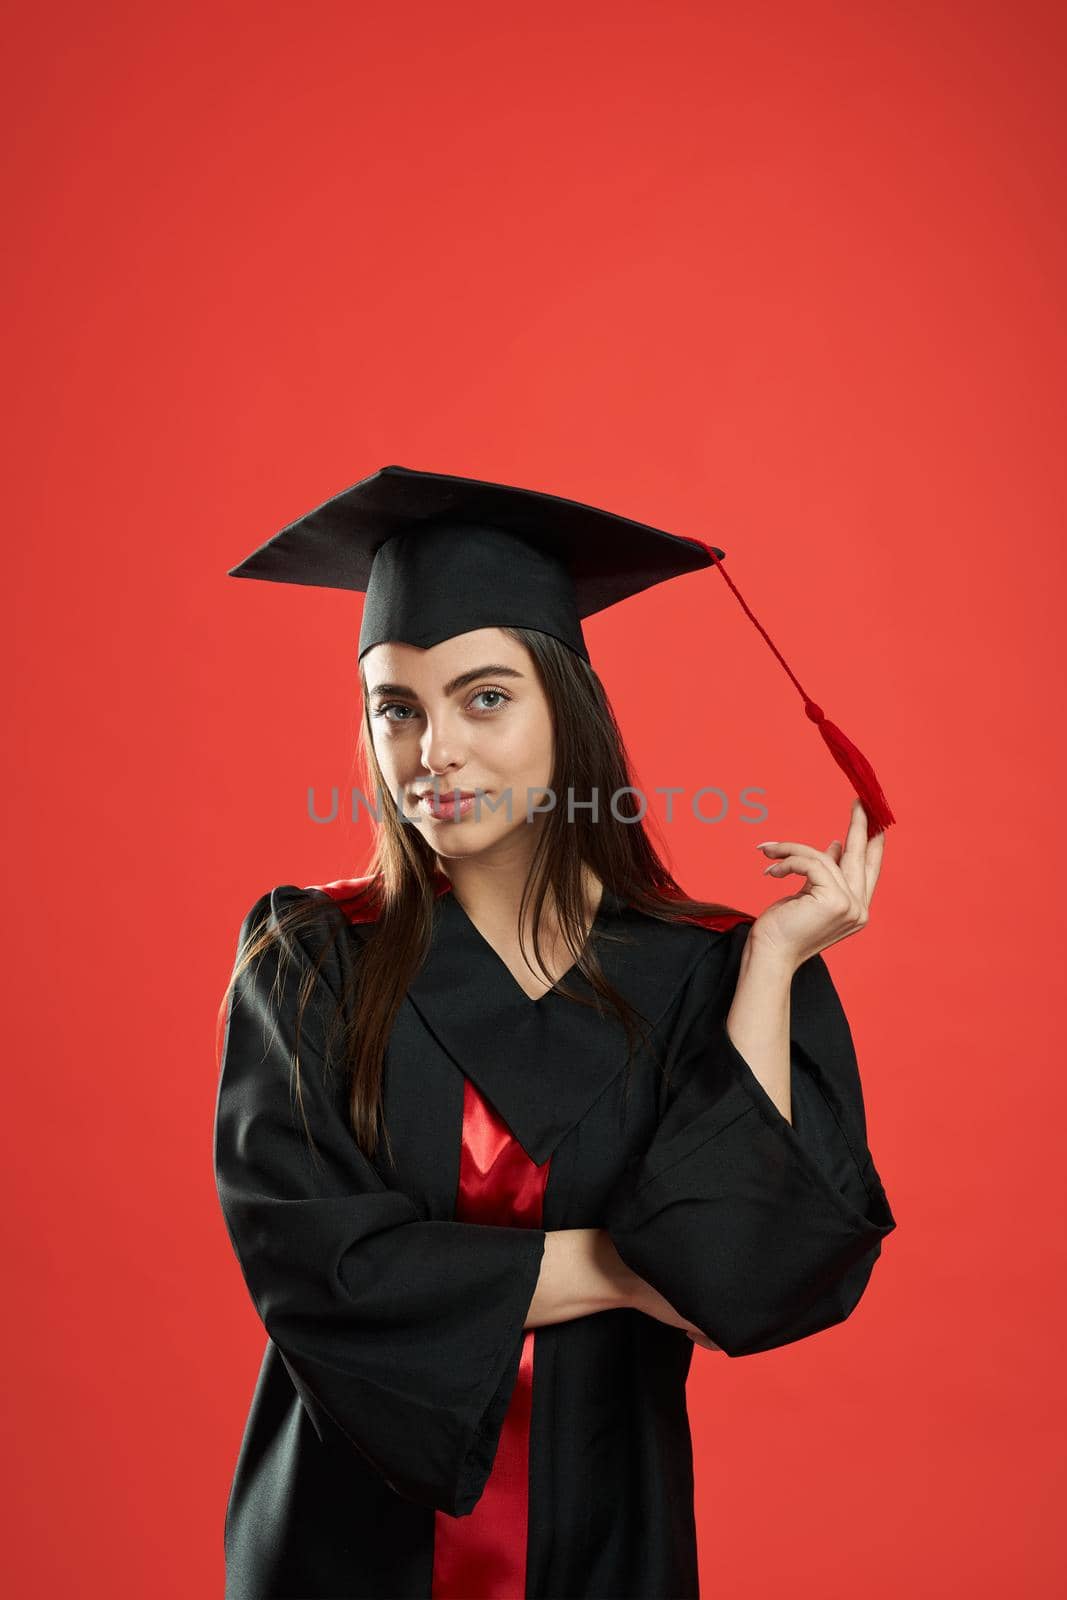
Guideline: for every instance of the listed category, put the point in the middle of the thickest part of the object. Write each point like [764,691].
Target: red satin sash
[483,1556]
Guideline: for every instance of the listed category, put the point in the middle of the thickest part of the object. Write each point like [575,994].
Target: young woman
[507,1124]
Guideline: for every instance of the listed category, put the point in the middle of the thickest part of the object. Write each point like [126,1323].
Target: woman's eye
[500,695]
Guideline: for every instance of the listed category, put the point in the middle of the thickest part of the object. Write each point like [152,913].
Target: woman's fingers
[794,847]
[818,865]
[861,861]
[875,852]
[815,866]
[852,867]
[854,855]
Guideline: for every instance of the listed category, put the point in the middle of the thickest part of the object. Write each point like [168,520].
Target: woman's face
[471,712]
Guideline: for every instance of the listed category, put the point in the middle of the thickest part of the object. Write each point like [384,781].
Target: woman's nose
[440,750]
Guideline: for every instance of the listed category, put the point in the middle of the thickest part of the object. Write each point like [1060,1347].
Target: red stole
[483,1555]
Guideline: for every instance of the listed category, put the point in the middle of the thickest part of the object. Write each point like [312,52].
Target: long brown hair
[404,881]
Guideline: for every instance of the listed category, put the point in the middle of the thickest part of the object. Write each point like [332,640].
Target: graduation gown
[407,1437]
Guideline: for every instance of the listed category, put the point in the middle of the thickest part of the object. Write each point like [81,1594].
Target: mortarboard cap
[436,555]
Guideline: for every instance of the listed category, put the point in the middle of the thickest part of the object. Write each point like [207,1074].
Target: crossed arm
[581,1270]
[582,1273]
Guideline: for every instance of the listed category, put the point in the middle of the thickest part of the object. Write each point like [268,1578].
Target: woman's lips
[447,808]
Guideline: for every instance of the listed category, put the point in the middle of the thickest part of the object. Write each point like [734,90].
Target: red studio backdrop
[787,277]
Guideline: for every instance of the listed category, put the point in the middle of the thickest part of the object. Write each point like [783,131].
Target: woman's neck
[490,893]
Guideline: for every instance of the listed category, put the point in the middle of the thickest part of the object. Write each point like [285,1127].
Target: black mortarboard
[438,555]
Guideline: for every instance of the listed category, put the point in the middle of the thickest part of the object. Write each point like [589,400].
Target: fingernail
[765,843]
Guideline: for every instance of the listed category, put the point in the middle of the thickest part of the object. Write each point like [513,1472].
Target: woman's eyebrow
[493,670]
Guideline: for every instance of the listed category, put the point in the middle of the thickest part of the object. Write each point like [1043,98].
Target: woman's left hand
[834,903]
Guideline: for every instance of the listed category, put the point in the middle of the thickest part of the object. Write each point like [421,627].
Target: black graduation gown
[395,1332]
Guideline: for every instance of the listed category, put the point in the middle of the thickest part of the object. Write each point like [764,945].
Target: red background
[787,276]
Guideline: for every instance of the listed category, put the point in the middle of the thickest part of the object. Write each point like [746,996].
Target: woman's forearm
[758,1022]
[581,1273]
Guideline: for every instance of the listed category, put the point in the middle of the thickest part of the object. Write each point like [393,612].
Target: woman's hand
[629,1289]
[642,1297]
[834,903]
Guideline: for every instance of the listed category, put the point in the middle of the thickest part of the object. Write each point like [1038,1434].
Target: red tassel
[850,759]
[857,769]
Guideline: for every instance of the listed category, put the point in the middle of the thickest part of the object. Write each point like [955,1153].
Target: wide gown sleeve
[759,1231]
[403,1333]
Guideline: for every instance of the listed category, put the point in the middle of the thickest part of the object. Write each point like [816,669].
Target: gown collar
[543,1063]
